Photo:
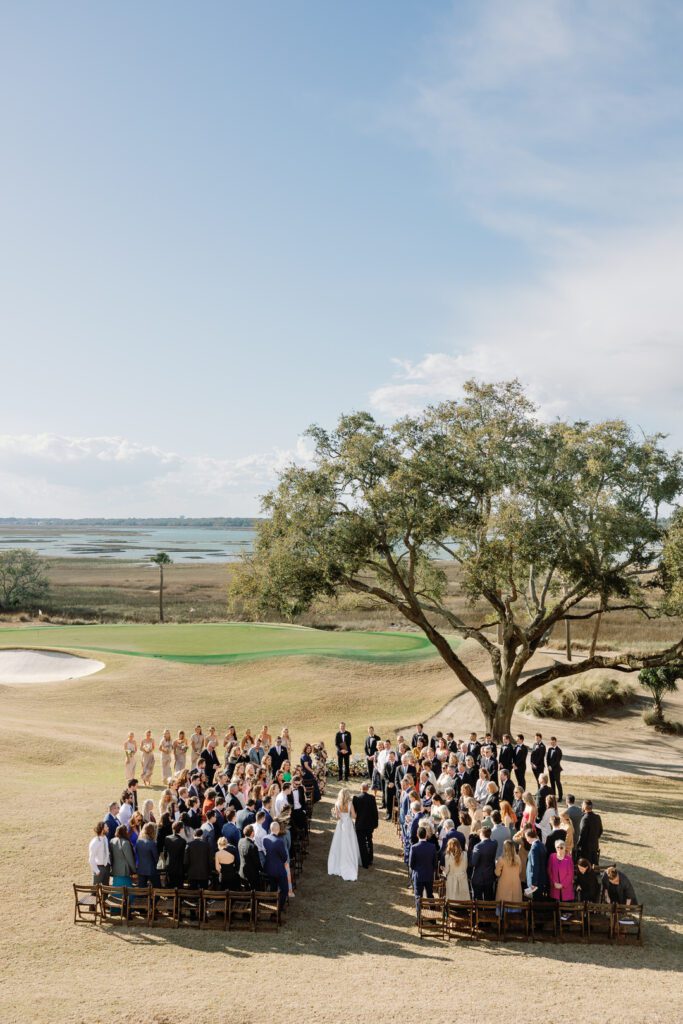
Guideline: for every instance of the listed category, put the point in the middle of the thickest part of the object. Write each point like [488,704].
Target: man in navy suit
[483,863]
[422,863]
[536,865]
[278,755]
[450,833]
[276,865]
[506,786]
[111,821]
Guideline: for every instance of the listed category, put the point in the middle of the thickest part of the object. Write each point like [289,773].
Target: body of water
[134,543]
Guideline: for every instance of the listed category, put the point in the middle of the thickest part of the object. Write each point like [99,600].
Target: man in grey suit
[575,815]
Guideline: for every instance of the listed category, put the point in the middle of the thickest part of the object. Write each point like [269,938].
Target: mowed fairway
[221,642]
[62,759]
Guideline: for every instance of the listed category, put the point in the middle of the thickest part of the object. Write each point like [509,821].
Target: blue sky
[222,222]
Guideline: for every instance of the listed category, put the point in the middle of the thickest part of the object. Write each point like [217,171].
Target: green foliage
[23,583]
[672,565]
[578,698]
[661,724]
[161,558]
[660,681]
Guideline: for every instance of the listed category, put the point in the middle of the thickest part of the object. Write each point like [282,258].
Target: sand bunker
[26,666]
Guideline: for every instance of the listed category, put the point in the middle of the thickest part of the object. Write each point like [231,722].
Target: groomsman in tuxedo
[420,734]
[537,757]
[519,760]
[390,770]
[474,747]
[367,820]
[342,742]
[554,757]
[506,754]
[371,744]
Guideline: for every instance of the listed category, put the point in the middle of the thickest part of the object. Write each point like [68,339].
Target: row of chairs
[530,920]
[172,908]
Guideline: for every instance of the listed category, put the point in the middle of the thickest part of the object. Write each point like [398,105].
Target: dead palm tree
[161,559]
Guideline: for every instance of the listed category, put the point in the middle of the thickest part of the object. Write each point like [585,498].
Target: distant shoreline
[206,522]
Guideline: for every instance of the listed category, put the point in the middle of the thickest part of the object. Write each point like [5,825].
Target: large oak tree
[537,516]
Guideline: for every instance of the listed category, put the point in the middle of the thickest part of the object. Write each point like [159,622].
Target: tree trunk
[499,720]
[161,593]
[596,630]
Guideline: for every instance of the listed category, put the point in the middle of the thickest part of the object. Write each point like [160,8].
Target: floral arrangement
[358,767]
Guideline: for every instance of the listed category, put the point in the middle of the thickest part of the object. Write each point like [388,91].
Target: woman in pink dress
[561,874]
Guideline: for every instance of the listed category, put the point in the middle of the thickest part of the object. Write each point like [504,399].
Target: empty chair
[112,903]
[241,911]
[599,921]
[487,918]
[459,919]
[628,922]
[571,920]
[164,907]
[266,910]
[138,905]
[214,909]
[544,919]
[86,903]
[189,907]
[516,919]
[431,917]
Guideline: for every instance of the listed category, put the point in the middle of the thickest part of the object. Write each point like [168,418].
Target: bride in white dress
[344,856]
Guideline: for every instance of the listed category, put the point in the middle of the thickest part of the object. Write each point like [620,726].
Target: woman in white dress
[344,856]
[455,871]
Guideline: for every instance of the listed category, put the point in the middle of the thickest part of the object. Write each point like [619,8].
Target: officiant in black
[367,820]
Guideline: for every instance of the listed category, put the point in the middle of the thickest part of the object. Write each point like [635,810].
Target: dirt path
[614,743]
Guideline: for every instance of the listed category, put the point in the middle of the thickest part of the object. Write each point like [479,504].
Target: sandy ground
[27,666]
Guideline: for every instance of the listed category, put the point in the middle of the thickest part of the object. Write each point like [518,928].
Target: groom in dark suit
[342,742]
[367,820]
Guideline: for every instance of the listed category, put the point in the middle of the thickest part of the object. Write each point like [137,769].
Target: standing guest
[164,829]
[519,760]
[250,862]
[196,745]
[500,833]
[277,754]
[174,851]
[180,747]
[554,757]
[148,812]
[230,830]
[489,761]
[483,862]
[465,824]
[492,800]
[198,862]
[256,752]
[112,821]
[509,886]
[246,816]
[481,787]
[561,874]
[455,871]
[569,835]
[508,817]
[225,863]
[587,883]
[545,825]
[506,754]
[210,834]
[309,776]
[132,788]
[518,805]
[287,739]
[98,855]
[419,736]
[381,759]
[390,783]
[126,810]
[367,820]
[617,888]
[422,861]
[210,757]
[147,856]
[544,790]
[260,833]
[590,830]
[557,833]
[537,757]
[209,802]
[166,750]
[371,744]
[147,748]
[122,858]
[575,813]
[529,813]
[130,750]
[506,785]
[536,866]
[277,863]
[342,742]
[166,803]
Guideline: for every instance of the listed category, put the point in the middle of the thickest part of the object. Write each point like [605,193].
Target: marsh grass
[580,697]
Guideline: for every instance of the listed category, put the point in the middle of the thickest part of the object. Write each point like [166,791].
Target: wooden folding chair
[459,919]
[544,919]
[266,910]
[138,905]
[214,912]
[599,921]
[164,907]
[571,920]
[112,903]
[487,918]
[516,919]
[86,903]
[241,911]
[431,917]
[628,923]
[189,907]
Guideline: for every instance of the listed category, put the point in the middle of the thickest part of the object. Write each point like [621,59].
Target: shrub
[664,725]
[578,698]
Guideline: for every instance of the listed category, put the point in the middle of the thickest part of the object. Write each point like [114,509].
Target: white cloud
[49,474]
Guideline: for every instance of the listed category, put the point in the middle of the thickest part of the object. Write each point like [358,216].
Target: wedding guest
[483,862]
[250,862]
[570,836]
[166,750]
[225,863]
[147,748]
[122,858]
[147,856]
[130,749]
[198,862]
[277,863]
[590,830]
[556,832]
[112,821]
[508,864]
[500,833]
[481,788]
[126,810]
[561,874]
[587,882]
[492,800]
[148,812]
[174,851]
[536,865]
[518,804]
[98,855]
[575,813]
[617,888]
[508,816]
[529,813]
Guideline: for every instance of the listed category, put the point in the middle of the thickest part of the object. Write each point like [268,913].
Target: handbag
[162,863]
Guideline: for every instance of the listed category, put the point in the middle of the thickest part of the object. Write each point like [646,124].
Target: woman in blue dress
[309,778]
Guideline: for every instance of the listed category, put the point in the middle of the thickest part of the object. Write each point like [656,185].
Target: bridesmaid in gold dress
[166,749]
[147,747]
[196,744]
[130,748]
[179,753]
[286,739]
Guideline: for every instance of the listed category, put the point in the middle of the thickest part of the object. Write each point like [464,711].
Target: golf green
[214,643]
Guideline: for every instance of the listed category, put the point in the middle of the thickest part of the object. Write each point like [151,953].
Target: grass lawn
[215,643]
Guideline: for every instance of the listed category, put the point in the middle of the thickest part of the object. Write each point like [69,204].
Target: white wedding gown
[344,856]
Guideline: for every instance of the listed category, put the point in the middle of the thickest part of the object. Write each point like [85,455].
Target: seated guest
[587,883]
[561,874]
[147,856]
[174,849]
[509,886]
[122,858]
[455,871]
[250,862]
[98,855]
[225,862]
[617,888]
